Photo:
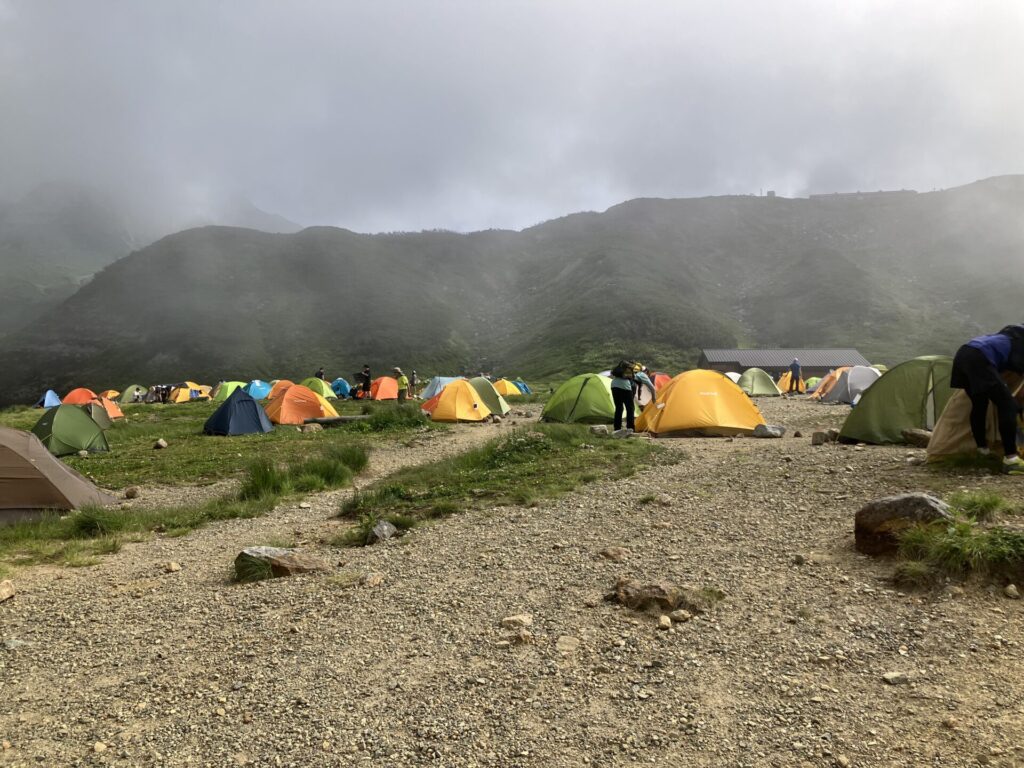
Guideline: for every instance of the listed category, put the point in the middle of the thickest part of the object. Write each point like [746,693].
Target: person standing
[977,366]
[795,374]
[320,374]
[622,395]
[403,385]
[367,380]
[412,383]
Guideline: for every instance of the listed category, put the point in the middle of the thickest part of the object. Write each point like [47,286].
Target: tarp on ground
[129,392]
[952,435]
[436,384]
[459,401]
[700,402]
[911,395]
[68,429]
[319,386]
[757,383]
[384,388]
[80,396]
[258,389]
[341,387]
[297,404]
[494,401]
[583,399]
[240,414]
[32,479]
[48,400]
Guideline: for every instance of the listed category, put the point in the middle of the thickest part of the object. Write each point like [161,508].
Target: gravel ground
[124,664]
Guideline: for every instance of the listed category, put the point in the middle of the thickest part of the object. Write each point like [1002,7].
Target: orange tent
[660,380]
[80,396]
[280,386]
[297,404]
[826,384]
[384,388]
[113,409]
[112,394]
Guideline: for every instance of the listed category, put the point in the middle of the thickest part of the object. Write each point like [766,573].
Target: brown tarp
[952,433]
[32,478]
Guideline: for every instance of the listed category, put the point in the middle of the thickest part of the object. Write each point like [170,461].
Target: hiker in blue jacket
[622,395]
[976,370]
[794,376]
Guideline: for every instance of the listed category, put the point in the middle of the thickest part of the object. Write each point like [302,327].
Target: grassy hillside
[893,275]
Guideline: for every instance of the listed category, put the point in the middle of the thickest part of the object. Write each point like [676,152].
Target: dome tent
[224,390]
[523,387]
[756,383]
[80,396]
[128,394]
[49,399]
[507,388]
[384,388]
[319,386]
[851,385]
[828,381]
[341,387]
[257,389]
[68,429]
[297,404]
[459,401]
[583,399]
[279,388]
[911,395]
[700,402]
[240,414]
[495,402]
[801,386]
[436,384]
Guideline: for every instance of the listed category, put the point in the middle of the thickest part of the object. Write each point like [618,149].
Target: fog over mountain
[466,115]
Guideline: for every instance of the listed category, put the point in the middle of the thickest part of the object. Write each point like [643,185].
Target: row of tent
[703,402]
[843,385]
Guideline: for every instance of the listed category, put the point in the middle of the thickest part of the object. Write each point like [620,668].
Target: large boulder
[878,525]
[282,562]
[919,438]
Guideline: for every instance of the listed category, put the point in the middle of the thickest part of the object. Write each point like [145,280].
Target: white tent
[852,384]
[734,376]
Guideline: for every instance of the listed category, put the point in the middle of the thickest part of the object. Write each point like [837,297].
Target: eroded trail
[185,668]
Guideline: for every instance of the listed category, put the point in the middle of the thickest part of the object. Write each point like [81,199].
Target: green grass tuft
[963,547]
[915,574]
[248,570]
[264,478]
[93,522]
[981,505]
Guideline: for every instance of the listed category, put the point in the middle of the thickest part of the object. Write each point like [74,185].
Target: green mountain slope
[893,274]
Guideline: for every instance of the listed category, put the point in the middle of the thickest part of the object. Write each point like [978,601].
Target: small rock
[919,438]
[819,438]
[833,434]
[372,579]
[663,525]
[308,428]
[664,622]
[567,644]
[950,722]
[615,554]
[99,746]
[680,615]
[843,761]
[896,678]
[878,524]
[283,562]
[496,418]
[83,454]
[799,559]
[662,595]
[769,431]
[798,433]
[517,621]
[663,500]
[172,567]
[1011,591]
[6,590]
[382,531]
[159,444]
[599,429]
[524,637]
[131,492]
[622,434]
[305,505]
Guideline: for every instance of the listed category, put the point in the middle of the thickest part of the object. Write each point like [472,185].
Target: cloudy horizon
[467,115]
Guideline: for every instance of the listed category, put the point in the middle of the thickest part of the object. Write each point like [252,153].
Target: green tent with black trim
[494,401]
[911,395]
[68,429]
[583,399]
[757,383]
[128,394]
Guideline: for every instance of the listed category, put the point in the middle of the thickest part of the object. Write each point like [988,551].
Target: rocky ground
[126,664]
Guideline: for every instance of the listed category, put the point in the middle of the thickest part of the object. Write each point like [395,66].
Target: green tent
[98,413]
[128,393]
[586,399]
[495,402]
[911,395]
[757,383]
[68,429]
[319,386]
[223,390]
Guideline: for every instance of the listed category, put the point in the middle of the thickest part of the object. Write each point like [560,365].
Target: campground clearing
[399,656]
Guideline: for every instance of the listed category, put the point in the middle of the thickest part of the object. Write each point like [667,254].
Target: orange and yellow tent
[506,388]
[384,388]
[80,396]
[700,402]
[783,384]
[828,382]
[459,401]
[297,404]
[111,394]
[113,409]
[280,386]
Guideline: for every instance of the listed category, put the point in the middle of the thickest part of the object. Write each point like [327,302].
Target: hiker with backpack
[623,381]
[795,374]
[977,366]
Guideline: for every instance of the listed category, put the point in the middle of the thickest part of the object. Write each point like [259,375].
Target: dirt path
[187,669]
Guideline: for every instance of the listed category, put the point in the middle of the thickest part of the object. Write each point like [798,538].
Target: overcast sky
[470,114]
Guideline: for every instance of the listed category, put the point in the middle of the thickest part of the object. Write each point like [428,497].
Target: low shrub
[263,479]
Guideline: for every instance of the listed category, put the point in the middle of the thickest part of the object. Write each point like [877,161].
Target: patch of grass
[345,579]
[647,498]
[963,547]
[519,467]
[964,462]
[250,569]
[264,478]
[390,417]
[92,522]
[981,505]
[915,574]
[359,534]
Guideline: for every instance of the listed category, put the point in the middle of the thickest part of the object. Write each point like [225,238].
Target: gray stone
[896,678]
[918,438]
[517,621]
[309,428]
[159,444]
[663,596]
[664,622]
[833,434]
[83,454]
[131,492]
[878,524]
[621,434]
[172,567]
[769,430]
[599,429]
[283,562]
[567,644]
[819,438]
[6,590]
[1011,591]
[382,531]
[372,579]
[680,615]
[615,554]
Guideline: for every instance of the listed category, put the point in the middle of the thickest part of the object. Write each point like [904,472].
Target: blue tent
[523,387]
[257,389]
[49,400]
[438,383]
[238,415]
[341,387]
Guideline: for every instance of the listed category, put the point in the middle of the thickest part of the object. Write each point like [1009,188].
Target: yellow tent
[459,401]
[783,384]
[700,402]
[110,394]
[507,389]
[179,395]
